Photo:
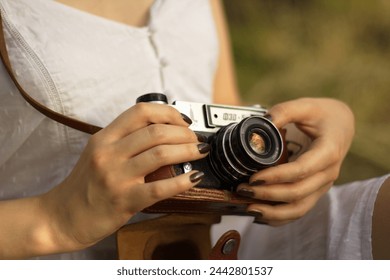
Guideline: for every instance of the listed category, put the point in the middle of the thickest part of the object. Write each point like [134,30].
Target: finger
[141,115]
[320,156]
[288,192]
[280,213]
[294,111]
[150,193]
[154,135]
[165,155]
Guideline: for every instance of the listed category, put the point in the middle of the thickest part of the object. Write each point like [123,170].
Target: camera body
[242,141]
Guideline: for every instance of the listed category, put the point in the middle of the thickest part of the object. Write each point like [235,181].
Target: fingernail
[255,213]
[186,118]
[258,217]
[203,148]
[268,116]
[201,137]
[259,222]
[257,183]
[196,177]
[246,192]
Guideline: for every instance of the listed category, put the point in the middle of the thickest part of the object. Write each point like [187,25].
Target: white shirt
[93,69]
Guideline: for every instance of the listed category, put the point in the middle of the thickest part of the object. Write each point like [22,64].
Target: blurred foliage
[333,48]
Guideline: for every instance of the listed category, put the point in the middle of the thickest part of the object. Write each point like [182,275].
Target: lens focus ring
[240,149]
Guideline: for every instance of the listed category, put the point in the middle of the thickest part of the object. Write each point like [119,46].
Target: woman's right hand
[106,187]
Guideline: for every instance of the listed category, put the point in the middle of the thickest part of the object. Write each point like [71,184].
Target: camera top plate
[211,117]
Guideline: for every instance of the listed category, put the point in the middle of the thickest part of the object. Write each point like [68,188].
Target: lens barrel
[240,149]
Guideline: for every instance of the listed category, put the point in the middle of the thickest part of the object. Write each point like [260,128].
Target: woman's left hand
[298,185]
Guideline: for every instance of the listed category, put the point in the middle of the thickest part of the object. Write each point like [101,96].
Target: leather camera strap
[65,120]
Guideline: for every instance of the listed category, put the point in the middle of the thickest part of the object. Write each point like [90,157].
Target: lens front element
[257,142]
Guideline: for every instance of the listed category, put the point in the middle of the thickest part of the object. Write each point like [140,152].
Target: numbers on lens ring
[241,270]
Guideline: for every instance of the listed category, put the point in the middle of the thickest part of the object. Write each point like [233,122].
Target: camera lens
[241,149]
[257,141]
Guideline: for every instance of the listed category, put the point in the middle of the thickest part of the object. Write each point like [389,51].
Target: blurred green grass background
[333,48]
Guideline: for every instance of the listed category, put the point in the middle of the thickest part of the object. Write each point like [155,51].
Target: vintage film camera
[242,141]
